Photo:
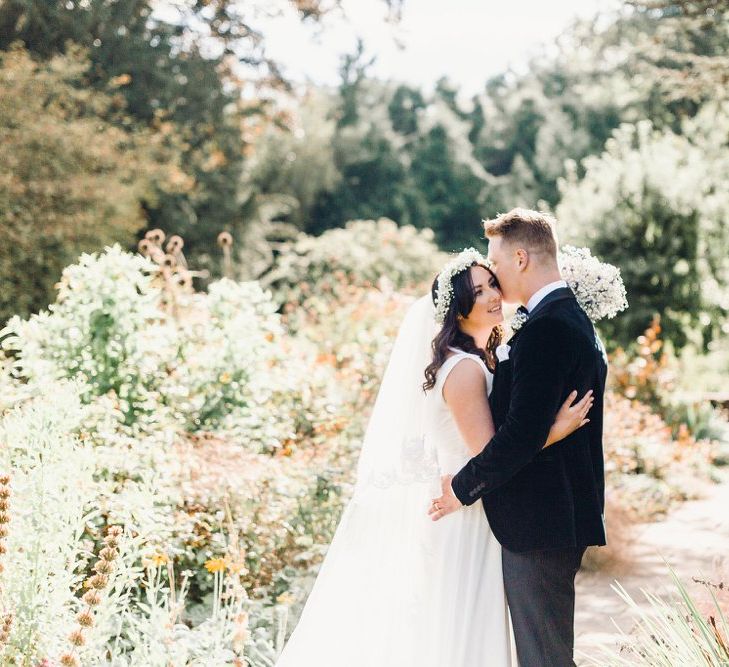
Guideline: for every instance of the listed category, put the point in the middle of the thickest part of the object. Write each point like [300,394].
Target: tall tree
[687,54]
[70,182]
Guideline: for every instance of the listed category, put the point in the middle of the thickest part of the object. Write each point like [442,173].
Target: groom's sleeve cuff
[465,495]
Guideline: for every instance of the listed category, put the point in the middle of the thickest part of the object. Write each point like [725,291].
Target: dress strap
[450,363]
[460,354]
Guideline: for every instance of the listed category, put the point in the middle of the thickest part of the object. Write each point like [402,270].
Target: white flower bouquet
[598,286]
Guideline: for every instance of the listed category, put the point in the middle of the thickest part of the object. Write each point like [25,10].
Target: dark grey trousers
[540,589]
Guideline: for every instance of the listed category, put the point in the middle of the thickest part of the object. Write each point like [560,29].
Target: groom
[545,506]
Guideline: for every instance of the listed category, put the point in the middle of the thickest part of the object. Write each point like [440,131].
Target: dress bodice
[445,438]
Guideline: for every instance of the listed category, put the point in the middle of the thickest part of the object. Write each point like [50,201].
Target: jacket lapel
[502,376]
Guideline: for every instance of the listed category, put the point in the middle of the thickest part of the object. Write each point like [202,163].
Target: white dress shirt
[541,293]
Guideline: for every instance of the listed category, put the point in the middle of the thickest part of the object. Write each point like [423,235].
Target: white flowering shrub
[227,348]
[105,329]
[153,632]
[149,385]
[51,500]
[11,391]
[55,503]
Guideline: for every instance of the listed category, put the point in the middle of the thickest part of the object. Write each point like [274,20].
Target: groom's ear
[522,259]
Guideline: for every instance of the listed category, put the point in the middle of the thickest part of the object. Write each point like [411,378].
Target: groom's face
[503,262]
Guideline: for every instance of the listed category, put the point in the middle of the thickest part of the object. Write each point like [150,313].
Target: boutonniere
[519,319]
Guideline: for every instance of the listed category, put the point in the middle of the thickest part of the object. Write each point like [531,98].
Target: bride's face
[486,311]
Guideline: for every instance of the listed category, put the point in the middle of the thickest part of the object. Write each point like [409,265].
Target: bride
[397,589]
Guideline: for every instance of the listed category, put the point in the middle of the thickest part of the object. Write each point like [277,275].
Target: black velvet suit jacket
[543,499]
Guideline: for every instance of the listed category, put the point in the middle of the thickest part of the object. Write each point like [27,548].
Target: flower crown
[444,288]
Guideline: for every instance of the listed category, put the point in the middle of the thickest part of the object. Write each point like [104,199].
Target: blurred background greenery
[116,122]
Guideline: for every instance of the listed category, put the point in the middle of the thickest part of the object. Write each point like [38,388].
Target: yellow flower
[285,598]
[216,565]
[156,560]
[225,378]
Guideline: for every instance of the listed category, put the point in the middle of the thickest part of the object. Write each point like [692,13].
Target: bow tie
[520,318]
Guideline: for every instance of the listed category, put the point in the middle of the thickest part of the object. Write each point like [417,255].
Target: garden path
[693,538]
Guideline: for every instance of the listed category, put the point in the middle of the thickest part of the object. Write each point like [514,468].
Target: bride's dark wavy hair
[451,335]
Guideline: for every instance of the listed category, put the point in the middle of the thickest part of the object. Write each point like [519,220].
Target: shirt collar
[541,293]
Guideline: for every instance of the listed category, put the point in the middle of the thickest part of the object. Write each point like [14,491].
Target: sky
[466,40]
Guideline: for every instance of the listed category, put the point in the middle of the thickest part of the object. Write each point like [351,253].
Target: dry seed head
[104,567]
[225,240]
[4,504]
[108,553]
[175,244]
[92,598]
[4,480]
[3,549]
[111,541]
[155,236]
[114,531]
[69,660]
[85,619]
[98,581]
[77,637]
[4,517]
[5,630]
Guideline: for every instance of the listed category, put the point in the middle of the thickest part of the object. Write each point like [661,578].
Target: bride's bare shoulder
[465,377]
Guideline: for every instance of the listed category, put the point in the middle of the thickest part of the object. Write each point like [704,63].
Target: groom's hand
[447,503]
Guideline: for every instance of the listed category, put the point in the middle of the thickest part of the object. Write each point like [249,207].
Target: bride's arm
[465,393]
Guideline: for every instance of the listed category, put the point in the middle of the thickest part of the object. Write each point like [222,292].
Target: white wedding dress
[399,590]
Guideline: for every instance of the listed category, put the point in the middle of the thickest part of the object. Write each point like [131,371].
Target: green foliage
[217,369]
[673,631]
[167,81]
[652,205]
[406,158]
[59,162]
[687,56]
[361,254]
[292,166]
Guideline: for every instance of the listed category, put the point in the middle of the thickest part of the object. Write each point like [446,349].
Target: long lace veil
[380,550]
[394,449]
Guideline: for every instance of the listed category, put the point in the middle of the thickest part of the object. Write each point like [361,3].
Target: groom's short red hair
[532,230]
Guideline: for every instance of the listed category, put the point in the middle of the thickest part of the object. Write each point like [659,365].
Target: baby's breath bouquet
[598,286]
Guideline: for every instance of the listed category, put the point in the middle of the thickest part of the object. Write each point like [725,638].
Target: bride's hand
[570,417]
[447,503]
